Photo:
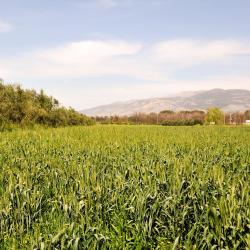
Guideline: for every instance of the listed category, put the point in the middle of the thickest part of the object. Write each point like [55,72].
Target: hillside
[227,100]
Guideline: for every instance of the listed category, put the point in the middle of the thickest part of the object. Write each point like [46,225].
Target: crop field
[125,187]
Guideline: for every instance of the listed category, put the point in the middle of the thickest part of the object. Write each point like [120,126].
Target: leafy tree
[167,111]
[214,115]
[181,122]
[25,107]
[247,114]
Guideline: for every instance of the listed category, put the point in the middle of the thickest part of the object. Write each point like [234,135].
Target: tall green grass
[125,187]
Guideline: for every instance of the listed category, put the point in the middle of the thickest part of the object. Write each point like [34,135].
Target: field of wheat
[125,187]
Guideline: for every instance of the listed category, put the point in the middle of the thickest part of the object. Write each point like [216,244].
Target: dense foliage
[155,118]
[214,115]
[181,122]
[125,187]
[27,107]
[175,118]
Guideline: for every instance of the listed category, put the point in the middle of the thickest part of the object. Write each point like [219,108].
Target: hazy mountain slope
[227,100]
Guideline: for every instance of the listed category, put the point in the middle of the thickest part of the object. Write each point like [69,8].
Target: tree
[27,107]
[214,115]
[247,114]
[167,111]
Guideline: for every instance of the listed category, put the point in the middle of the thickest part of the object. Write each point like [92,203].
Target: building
[247,122]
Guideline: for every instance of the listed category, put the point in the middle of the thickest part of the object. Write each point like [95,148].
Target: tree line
[28,107]
[178,118]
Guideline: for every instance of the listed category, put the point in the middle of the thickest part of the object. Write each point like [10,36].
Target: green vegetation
[179,118]
[214,115]
[27,107]
[165,117]
[125,187]
[181,122]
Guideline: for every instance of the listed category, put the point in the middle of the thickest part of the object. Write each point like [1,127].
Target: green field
[125,187]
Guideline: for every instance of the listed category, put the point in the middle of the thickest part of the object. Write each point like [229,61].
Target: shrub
[27,108]
[181,122]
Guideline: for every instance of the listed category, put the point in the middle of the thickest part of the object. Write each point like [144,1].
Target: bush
[181,122]
[26,108]
[214,115]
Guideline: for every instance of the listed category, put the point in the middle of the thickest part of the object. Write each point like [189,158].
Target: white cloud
[99,57]
[155,64]
[83,59]
[192,52]
[5,27]
[93,58]
[88,51]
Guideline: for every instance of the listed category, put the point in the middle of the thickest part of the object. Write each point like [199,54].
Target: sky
[92,52]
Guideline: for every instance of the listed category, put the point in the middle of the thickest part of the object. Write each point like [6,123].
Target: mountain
[227,100]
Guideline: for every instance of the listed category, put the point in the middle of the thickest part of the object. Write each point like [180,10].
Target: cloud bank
[99,57]
[190,52]
[151,68]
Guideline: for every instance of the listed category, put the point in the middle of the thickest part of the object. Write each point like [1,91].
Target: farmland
[125,187]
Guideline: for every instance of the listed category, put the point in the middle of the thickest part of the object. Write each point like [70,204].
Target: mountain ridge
[230,100]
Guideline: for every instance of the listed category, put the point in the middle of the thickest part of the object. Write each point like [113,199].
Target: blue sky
[92,52]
